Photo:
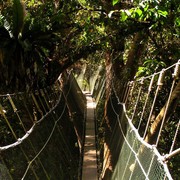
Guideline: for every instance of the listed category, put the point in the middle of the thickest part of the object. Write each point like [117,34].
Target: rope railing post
[15,111]
[156,158]
[145,104]
[50,136]
[16,138]
[137,100]
[27,109]
[175,137]
[126,92]
[175,76]
[36,103]
[22,124]
[159,85]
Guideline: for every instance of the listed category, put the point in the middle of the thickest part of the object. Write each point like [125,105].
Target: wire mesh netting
[142,128]
[151,111]
[138,161]
[38,140]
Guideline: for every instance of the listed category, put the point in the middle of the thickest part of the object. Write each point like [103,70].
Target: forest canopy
[40,39]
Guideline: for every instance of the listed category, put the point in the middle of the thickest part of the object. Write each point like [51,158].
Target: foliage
[19,51]
[54,38]
[40,39]
[149,66]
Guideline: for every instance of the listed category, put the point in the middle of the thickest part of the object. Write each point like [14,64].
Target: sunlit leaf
[123,16]
[139,12]
[177,22]
[146,8]
[162,13]
[115,2]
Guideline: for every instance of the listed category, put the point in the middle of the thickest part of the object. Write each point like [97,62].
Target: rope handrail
[141,140]
[165,69]
[148,97]
[51,133]
[44,109]
[28,133]
[175,76]
[26,116]
[172,154]
[135,112]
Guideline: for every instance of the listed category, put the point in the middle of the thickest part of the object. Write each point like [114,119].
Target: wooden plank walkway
[89,169]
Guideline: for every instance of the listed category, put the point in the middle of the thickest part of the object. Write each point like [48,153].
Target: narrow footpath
[89,169]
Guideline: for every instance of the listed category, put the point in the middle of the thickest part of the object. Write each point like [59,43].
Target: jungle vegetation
[39,39]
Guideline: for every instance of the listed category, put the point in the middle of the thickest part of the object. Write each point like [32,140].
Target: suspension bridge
[54,133]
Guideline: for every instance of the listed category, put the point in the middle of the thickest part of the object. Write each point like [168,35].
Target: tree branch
[82,53]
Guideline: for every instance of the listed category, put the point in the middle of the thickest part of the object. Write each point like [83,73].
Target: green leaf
[177,22]
[161,63]
[162,13]
[123,16]
[139,12]
[146,8]
[115,2]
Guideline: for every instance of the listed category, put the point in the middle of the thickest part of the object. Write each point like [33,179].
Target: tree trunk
[154,129]
[123,72]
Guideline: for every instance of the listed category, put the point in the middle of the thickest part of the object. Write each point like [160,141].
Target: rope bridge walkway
[89,169]
[37,140]
[142,117]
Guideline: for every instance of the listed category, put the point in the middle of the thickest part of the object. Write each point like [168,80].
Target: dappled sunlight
[91,105]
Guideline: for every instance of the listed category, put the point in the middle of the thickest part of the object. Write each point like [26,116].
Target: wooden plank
[89,169]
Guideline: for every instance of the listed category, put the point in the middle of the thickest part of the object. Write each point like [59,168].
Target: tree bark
[123,72]
[154,129]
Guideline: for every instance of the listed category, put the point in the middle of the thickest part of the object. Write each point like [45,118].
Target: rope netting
[37,141]
[144,137]
[137,160]
[37,135]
